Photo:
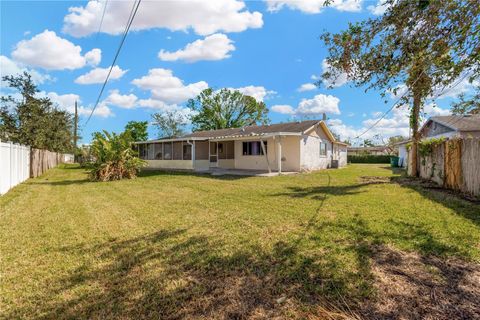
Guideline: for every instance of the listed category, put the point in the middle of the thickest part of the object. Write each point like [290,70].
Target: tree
[467,105]
[138,130]
[114,156]
[368,143]
[34,121]
[226,109]
[421,45]
[170,123]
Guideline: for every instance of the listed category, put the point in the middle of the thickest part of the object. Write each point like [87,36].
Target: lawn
[358,242]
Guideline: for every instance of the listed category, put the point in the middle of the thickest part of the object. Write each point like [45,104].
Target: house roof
[290,127]
[459,122]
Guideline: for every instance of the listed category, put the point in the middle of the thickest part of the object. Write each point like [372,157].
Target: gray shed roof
[459,122]
[291,127]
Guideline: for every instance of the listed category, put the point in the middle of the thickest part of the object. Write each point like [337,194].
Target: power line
[101,20]
[133,12]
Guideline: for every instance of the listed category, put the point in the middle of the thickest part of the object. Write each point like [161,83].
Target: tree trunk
[414,120]
[414,123]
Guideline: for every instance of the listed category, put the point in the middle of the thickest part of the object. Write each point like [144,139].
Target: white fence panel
[14,165]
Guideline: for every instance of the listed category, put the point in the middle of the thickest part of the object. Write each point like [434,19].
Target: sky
[267,49]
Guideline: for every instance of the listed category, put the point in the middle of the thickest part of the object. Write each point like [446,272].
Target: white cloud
[379,9]
[319,104]
[126,101]
[307,87]
[9,67]
[215,47]
[93,57]
[98,75]
[164,86]
[258,92]
[283,109]
[314,6]
[204,17]
[49,51]
[311,107]
[67,102]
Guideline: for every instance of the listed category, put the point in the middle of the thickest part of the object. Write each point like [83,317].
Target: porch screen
[187,152]
[226,150]
[158,151]
[167,151]
[177,150]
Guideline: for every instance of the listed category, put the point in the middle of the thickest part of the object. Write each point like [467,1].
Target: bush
[114,157]
[369,158]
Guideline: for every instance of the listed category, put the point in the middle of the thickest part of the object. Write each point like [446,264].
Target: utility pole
[75,132]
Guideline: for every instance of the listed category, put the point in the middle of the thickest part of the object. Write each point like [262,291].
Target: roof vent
[243,129]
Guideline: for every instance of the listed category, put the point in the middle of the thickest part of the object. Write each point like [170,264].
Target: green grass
[176,245]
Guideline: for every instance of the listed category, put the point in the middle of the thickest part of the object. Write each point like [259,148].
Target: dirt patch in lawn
[411,286]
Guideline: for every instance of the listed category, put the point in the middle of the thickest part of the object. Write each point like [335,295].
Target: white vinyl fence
[14,165]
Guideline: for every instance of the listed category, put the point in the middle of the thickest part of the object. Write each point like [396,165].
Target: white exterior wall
[310,151]
[342,158]
[290,155]
[14,165]
[403,155]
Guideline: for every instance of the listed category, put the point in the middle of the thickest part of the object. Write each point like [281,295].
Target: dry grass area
[354,243]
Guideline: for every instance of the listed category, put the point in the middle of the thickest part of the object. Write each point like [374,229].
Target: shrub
[369,158]
[114,157]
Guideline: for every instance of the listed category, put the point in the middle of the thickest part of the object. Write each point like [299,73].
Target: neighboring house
[378,150]
[294,146]
[461,126]
[458,126]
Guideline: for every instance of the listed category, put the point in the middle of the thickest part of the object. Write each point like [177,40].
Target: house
[454,126]
[460,126]
[295,146]
[377,150]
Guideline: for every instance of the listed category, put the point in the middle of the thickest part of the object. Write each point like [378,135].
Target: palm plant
[114,157]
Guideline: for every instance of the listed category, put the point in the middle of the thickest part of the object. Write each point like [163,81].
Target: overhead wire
[131,17]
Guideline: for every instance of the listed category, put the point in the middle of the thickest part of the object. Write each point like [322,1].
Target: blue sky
[268,49]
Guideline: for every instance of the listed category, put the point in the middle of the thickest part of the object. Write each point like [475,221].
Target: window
[323,149]
[253,148]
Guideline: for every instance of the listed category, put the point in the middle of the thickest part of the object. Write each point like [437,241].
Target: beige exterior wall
[226,163]
[290,155]
[201,165]
[310,151]
[170,164]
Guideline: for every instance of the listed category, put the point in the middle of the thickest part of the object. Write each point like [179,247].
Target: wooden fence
[42,160]
[453,164]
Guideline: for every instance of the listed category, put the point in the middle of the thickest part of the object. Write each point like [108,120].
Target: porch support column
[266,156]
[279,154]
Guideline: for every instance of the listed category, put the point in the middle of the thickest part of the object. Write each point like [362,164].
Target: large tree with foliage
[138,130]
[424,45]
[226,109]
[170,123]
[34,121]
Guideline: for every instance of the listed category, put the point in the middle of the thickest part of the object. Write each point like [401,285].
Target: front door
[213,154]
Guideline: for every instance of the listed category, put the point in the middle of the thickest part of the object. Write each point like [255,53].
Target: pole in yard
[75,133]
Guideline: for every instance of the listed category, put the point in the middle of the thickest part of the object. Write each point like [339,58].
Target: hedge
[369,158]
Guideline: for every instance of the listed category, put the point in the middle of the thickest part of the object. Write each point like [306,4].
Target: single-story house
[454,126]
[294,147]
[377,150]
[458,126]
